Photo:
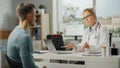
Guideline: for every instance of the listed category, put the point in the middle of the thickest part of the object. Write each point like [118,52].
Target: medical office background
[62,13]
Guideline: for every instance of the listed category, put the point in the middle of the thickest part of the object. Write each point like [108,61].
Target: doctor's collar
[94,26]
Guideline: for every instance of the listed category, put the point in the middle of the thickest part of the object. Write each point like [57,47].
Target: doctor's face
[89,18]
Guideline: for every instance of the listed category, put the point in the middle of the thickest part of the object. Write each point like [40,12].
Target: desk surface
[75,56]
[90,61]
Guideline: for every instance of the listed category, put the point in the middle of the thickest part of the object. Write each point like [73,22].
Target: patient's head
[26,12]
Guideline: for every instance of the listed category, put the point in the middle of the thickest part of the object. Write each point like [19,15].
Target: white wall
[8,18]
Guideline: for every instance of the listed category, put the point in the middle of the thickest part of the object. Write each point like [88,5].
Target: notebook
[91,55]
[52,49]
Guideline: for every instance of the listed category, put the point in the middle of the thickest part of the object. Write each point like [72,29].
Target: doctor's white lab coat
[95,37]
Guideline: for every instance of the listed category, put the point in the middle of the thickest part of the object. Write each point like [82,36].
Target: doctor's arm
[103,39]
[81,46]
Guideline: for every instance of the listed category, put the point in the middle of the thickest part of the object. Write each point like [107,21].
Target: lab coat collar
[94,27]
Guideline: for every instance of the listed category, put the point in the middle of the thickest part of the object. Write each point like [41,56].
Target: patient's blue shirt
[20,47]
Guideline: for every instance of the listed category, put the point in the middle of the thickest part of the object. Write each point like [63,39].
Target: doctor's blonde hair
[91,11]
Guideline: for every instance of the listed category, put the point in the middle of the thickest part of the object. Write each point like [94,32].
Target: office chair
[13,64]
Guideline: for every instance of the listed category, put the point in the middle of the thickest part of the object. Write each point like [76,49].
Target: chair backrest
[13,64]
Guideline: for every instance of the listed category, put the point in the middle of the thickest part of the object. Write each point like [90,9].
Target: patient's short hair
[23,9]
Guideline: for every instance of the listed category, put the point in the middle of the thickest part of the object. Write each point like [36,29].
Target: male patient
[19,48]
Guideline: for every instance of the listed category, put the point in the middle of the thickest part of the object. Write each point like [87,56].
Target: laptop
[52,49]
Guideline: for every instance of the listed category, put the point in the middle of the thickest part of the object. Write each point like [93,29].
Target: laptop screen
[50,45]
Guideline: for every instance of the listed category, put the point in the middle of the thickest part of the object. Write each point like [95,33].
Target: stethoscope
[97,30]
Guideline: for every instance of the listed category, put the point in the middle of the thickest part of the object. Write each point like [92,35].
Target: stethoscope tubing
[97,30]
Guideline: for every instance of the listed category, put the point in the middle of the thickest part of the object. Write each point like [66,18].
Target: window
[108,13]
[72,13]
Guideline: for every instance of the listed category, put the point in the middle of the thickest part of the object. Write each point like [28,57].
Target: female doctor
[94,37]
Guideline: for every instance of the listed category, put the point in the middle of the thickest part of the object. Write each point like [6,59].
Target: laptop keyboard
[64,52]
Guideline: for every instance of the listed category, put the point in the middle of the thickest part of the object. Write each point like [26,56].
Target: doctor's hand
[70,45]
[84,46]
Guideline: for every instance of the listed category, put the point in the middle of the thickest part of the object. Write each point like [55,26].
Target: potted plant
[41,8]
[59,32]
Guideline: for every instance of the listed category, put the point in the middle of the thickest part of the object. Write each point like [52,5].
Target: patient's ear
[29,16]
